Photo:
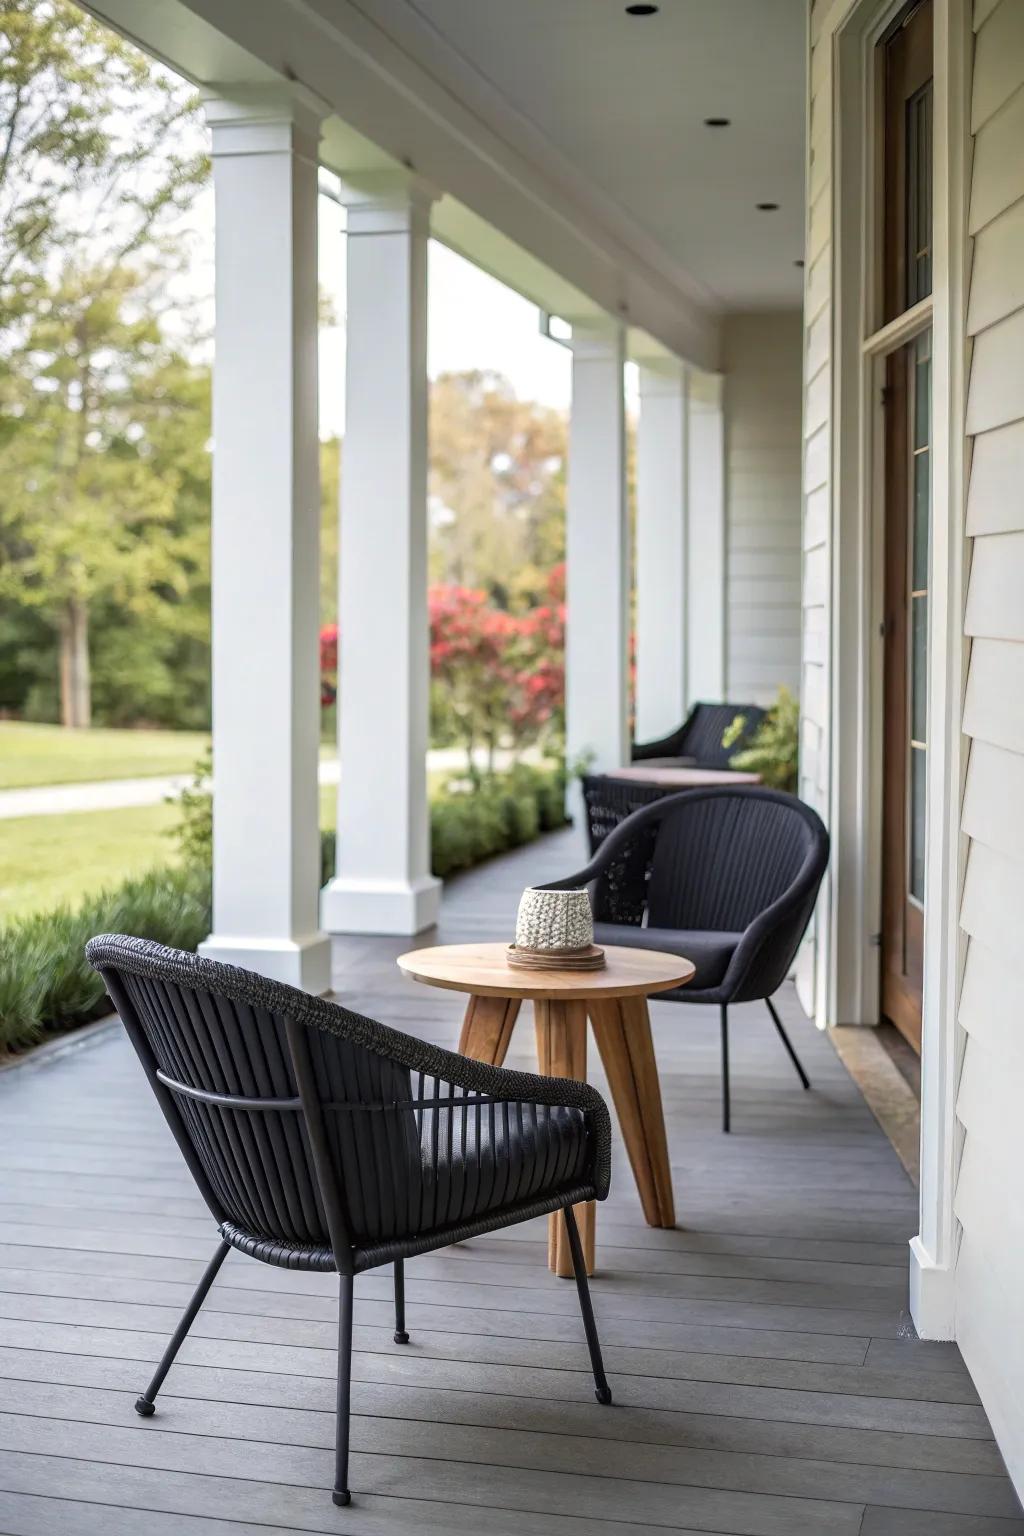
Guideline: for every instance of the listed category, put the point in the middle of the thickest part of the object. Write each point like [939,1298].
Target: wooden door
[907,279]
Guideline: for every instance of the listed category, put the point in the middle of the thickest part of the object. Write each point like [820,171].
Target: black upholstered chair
[698,741]
[727,877]
[321,1140]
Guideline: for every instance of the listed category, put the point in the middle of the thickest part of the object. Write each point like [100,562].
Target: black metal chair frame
[127,965]
[619,873]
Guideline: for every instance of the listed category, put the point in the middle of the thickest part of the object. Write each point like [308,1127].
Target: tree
[497,484]
[98,162]
[502,674]
[91,500]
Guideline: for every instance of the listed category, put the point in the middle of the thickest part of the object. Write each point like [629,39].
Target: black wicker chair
[607,801]
[728,878]
[321,1140]
[698,741]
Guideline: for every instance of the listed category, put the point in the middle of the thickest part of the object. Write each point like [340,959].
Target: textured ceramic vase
[554,920]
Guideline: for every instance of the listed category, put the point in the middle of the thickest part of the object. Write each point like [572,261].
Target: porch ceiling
[620,103]
[568,139]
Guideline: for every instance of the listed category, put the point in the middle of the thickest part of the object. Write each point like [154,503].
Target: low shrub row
[472,824]
[46,985]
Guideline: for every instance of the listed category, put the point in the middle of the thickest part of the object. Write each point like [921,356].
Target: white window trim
[860,347]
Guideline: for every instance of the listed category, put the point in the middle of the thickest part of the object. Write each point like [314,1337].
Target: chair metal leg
[146,1404]
[401,1337]
[794,1058]
[725,1067]
[341,1494]
[602,1391]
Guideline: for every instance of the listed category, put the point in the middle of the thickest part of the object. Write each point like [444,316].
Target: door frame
[860,346]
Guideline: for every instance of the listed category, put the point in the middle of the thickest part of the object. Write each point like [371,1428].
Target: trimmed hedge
[468,826]
[472,824]
[46,986]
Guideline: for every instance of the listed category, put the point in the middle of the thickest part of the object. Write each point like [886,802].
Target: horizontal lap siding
[762,455]
[989,1205]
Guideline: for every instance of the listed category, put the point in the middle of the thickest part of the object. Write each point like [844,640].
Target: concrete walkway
[118,794]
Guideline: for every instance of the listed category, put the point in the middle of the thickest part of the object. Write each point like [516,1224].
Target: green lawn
[49,754]
[45,860]
[32,755]
[50,859]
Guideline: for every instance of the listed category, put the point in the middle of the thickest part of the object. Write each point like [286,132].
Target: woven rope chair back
[303,1135]
[255,1150]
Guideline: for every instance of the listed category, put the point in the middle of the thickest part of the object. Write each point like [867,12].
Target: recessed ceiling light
[767,207]
[717,122]
[641,10]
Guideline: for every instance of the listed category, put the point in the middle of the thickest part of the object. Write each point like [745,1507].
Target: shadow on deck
[766,1375]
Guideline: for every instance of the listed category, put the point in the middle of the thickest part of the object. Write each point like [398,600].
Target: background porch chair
[321,1140]
[728,878]
[699,739]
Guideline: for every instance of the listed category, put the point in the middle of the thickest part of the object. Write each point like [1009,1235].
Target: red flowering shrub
[328,665]
[502,675]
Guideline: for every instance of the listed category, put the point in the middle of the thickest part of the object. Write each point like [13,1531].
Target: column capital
[387,202]
[705,390]
[264,119]
[597,340]
[667,376]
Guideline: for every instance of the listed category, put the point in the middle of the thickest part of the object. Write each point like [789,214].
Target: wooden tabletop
[683,778]
[483,970]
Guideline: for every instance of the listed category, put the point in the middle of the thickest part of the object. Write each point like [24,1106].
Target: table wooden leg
[487,1028]
[562,1052]
[622,1029]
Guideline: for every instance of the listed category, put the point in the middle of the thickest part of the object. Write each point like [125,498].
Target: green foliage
[194,832]
[469,821]
[497,478]
[46,984]
[503,810]
[103,452]
[773,750]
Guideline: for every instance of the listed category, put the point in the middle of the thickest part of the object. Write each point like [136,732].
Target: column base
[303,963]
[932,1294]
[351,905]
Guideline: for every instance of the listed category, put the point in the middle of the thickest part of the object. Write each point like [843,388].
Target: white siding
[762,457]
[989,1198]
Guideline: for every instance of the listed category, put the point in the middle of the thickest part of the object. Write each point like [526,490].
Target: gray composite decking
[766,1376]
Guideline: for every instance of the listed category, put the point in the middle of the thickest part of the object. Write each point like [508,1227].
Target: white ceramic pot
[554,920]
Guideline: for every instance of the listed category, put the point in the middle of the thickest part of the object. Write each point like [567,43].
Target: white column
[266,542]
[661,538]
[383,882]
[597,555]
[706,608]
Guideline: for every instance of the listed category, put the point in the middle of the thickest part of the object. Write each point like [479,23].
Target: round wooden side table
[616,1000]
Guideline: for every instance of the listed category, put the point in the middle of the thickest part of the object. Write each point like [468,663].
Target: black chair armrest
[619,839]
[762,958]
[667,747]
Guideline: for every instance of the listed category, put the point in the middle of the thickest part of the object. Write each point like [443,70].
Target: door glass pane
[921,452]
[919,668]
[918,759]
[919,365]
[919,195]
